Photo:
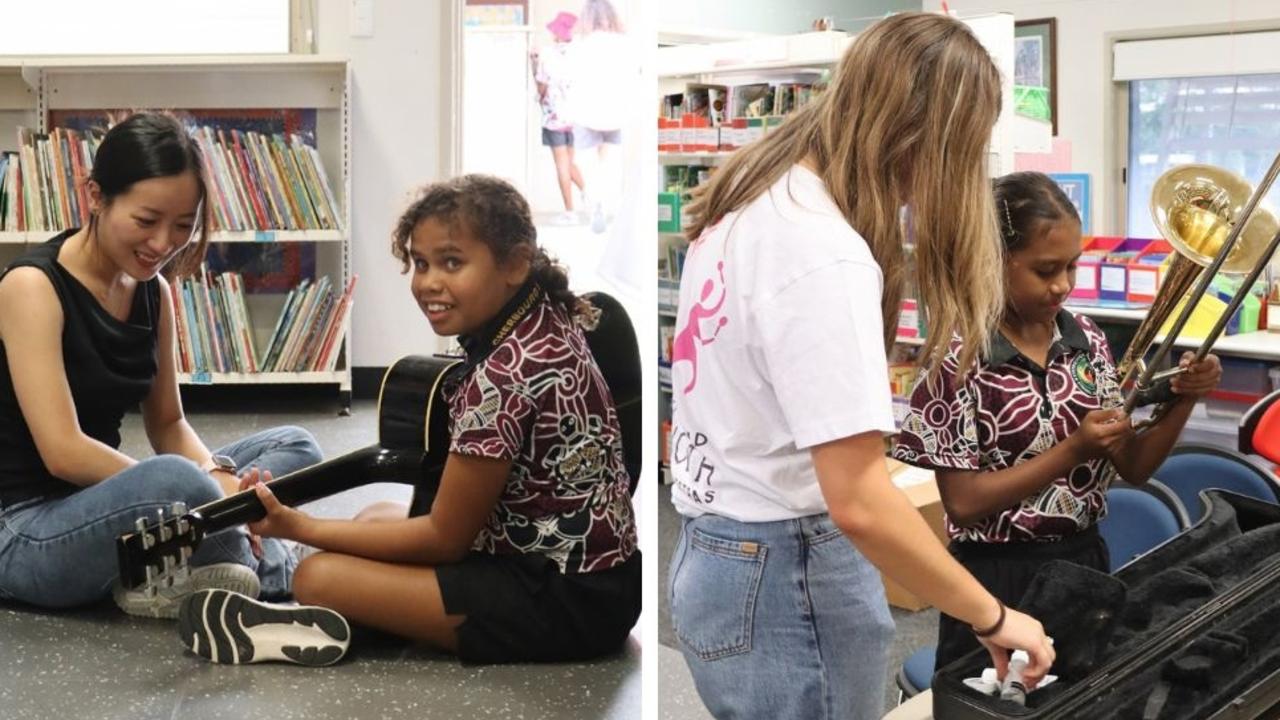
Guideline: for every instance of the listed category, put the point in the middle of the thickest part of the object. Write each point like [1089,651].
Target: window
[1232,122]
[1212,99]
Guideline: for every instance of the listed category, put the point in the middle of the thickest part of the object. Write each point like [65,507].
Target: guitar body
[414,415]
[617,353]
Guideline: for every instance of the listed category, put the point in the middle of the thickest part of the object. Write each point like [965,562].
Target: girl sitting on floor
[529,550]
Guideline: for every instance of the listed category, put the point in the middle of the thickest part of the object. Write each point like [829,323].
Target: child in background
[529,551]
[1025,447]
[551,75]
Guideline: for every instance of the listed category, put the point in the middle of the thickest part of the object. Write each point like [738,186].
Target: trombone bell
[1194,208]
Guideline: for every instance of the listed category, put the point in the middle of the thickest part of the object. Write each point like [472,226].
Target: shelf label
[203,377]
[1142,282]
[1113,279]
[1086,277]
[264,236]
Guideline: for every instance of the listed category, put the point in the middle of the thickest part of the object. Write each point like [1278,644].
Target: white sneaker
[599,222]
[225,627]
[568,217]
[165,600]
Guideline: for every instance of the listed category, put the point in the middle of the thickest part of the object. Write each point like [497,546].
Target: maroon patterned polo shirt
[539,400]
[1010,410]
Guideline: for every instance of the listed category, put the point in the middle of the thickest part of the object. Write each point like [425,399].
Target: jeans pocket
[714,592]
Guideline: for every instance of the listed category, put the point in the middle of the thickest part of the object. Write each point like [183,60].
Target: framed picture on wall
[1076,186]
[1035,69]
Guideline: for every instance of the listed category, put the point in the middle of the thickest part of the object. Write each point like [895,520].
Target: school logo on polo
[1082,374]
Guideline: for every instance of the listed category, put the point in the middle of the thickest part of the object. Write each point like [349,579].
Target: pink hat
[562,26]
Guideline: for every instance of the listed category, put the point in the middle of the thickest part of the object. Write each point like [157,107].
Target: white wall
[776,17]
[401,101]
[1087,98]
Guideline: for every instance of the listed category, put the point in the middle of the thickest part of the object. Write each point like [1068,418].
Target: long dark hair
[1025,202]
[149,145]
[494,213]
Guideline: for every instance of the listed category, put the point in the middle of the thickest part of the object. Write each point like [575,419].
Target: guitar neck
[361,467]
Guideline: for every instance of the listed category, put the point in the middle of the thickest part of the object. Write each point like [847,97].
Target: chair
[916,673]
[1135,523]
[1260,429]
[1191,468]
[1164,494]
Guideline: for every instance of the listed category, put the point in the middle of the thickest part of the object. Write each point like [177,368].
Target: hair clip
[1009,230]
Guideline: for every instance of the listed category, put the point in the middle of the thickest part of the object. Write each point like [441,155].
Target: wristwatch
[223,463]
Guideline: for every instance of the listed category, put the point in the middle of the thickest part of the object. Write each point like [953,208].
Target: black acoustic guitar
[412,448]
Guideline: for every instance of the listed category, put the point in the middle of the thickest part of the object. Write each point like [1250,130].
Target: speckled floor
[100,663]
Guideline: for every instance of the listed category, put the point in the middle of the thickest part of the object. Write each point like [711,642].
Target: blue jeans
[61,552]
[780,620]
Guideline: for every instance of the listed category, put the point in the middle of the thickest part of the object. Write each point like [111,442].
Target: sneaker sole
[226,627]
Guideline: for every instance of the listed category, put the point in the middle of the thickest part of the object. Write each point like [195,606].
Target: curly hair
[494,213]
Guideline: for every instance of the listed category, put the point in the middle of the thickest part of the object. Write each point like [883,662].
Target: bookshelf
[801,60]
[35,92]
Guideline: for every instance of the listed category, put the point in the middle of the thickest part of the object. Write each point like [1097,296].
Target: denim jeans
[61,552]
[781,620]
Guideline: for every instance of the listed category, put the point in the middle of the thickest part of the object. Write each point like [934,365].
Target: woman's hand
[1102,433]
[1200,378]
[1021,632]
[280,521]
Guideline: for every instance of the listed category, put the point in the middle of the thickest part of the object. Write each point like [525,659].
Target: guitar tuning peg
[184,563]
[141,526]
[178,510]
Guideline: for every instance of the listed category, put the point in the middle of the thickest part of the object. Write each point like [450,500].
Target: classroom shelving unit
[32,88]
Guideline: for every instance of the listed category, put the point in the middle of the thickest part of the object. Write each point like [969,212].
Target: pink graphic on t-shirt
[685,345]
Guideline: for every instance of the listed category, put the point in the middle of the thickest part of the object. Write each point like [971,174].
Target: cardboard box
[1113,273]
[924,496]
[1087,270]
[669,216]
[1145,277]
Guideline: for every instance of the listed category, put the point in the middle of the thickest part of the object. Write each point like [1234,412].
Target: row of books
[39,187]
[255,181]
[215,333]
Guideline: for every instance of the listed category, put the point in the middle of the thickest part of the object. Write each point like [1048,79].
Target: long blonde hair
[599,16]
[906,120]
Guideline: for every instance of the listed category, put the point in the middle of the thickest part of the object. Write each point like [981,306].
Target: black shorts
[1006,570]
[557,138]
[520,608]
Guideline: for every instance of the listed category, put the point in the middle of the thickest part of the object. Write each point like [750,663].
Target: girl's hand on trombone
[1197,379]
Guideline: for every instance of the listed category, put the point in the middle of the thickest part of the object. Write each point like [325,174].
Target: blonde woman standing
[606,69]
[789,298]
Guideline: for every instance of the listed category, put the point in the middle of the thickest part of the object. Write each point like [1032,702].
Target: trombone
[1212,219]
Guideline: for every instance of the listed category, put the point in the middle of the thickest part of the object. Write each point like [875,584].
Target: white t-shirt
[779,347]
[605,70]
[553,71]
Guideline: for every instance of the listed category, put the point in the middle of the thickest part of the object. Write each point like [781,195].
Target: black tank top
[110,366]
